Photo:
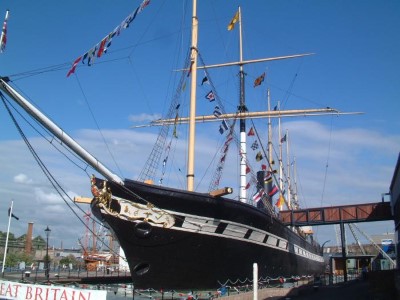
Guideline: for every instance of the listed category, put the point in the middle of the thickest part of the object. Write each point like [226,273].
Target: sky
[340,159]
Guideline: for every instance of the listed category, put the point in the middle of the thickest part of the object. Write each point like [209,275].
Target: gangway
[368,212]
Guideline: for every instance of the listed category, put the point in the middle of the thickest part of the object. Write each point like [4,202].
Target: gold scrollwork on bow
[102,195]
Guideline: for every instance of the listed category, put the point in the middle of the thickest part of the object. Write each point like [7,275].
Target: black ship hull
[186,240]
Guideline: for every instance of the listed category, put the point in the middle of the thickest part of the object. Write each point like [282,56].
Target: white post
[8,232]
[255,281]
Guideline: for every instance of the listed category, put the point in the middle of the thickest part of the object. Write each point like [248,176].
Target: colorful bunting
[259,80]
[91,55]
[254,146]
[251,132]
[280,201]
[267,178]
[248,169]
[205,80]
[259,156]
[223,127]
[258,195]
[217,111]
[100,48]
[109,40]
[273,191]
[223,157]
[229,139]
[210,96]
[76,62]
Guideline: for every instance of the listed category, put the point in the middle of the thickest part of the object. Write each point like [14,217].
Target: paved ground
[354,290]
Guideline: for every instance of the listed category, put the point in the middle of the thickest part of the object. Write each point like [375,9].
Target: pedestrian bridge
[368,212]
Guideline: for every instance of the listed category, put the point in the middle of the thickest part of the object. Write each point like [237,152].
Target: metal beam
[367,212]
[250,115]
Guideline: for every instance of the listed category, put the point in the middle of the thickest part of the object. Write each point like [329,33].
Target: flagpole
[3,30]
[8,232]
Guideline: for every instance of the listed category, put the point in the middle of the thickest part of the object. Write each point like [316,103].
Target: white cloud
[22,178]
[144,117]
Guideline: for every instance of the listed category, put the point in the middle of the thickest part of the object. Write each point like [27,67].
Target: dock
[69,277]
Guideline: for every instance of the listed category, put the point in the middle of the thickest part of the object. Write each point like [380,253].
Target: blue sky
[354,69]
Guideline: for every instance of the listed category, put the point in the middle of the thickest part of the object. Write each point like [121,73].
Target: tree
[39,243]
[70,259]
[3,237]
[13,258]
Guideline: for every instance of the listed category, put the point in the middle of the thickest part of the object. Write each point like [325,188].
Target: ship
[94,257]
[184,239]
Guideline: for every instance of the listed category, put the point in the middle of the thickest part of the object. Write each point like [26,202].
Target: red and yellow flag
[234,20]
[280,201]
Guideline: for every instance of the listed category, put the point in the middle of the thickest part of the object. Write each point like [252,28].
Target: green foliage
[13,258]
[3,237]
[70,259]
[38,243]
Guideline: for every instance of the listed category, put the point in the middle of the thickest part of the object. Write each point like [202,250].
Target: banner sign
[19,291]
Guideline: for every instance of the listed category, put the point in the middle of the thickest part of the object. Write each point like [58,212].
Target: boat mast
[242,108]
[58,132]
[192,113]
[280,154]
[270,158]
[288,171]
[295,196]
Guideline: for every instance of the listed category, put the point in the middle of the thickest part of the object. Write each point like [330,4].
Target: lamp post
[47,231]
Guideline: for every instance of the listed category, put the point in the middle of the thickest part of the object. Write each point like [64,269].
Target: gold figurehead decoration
[103,195]
[128,209]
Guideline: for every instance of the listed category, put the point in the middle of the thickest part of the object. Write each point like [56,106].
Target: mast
[280,153]
[242,108]
[58,132]
[192,113]
[295,196]
[270,158]
[288,170]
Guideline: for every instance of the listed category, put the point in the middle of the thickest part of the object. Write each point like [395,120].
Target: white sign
[19,291]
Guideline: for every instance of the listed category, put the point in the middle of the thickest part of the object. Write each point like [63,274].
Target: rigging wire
[61,192]
[97,124]
[51,141]
[327,161]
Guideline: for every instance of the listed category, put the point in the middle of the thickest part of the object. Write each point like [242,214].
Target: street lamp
[47,231]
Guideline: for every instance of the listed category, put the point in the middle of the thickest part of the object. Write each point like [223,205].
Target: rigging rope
[153,160]
[61,192]
[96,123]
[327,162]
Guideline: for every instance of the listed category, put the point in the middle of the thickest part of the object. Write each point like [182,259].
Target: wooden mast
[242,109]
[251,115]
[192,113]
